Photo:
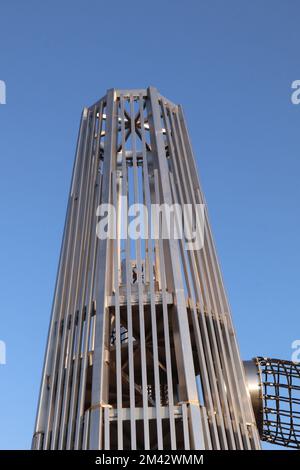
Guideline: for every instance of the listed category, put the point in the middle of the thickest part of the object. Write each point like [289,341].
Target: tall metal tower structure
[142,352]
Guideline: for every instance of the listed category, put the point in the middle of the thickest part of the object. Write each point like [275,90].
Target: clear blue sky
[231,65]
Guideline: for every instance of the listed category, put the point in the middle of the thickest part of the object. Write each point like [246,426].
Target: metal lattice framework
[280,391]
[141,352]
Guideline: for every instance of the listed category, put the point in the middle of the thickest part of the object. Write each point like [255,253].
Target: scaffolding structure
[141,352]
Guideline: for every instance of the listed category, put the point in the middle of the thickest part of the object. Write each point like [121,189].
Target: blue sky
[231,65]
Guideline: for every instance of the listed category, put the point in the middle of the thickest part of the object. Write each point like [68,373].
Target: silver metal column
[141,351]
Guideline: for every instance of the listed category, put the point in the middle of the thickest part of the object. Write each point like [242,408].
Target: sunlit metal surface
[254,386]
[141,353]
